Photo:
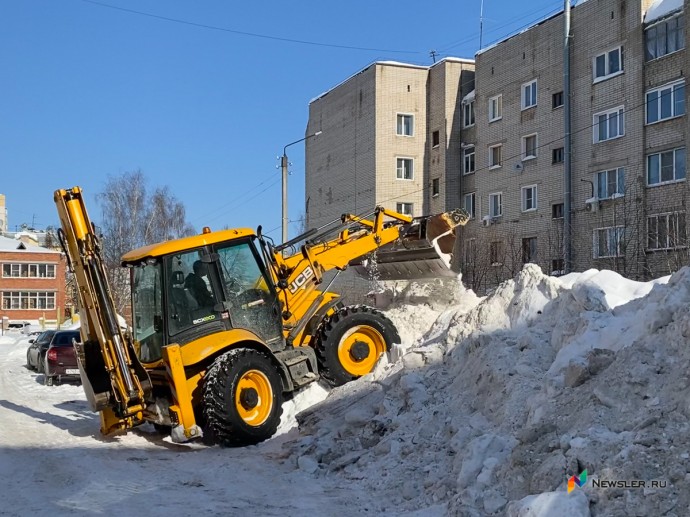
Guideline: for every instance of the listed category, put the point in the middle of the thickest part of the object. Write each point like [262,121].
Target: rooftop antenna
[433,53]
[481,22]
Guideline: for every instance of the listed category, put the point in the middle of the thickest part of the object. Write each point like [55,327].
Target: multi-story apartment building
[32,282]
[489,136]
[388,136]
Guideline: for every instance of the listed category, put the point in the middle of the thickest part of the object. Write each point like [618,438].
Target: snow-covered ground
[487,408]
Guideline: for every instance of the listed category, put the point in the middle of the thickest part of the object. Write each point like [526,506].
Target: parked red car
[61,359]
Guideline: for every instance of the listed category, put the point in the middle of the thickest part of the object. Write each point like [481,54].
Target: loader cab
[185,295]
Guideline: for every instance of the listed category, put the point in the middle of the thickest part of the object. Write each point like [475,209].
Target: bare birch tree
[130,218]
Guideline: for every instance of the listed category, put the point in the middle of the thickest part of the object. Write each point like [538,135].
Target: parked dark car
[61,358]
[36,353]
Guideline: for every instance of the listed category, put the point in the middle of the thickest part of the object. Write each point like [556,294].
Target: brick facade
[351,166]
[57,285]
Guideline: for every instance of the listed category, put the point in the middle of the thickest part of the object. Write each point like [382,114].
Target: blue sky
[91,89]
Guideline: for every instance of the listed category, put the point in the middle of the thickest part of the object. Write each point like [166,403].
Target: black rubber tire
[40,368]
[331,331]
[28,362]
[222,422]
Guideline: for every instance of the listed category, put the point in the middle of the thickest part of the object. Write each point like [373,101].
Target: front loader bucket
[424,250]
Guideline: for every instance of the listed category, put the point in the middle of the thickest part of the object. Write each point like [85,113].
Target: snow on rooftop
[662,8]
[7,244]
[469,97]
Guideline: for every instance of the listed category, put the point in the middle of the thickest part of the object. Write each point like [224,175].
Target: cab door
[249,295]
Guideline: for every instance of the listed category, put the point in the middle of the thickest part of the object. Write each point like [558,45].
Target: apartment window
[557,155]
[529,94]
[610,182]
[529,198]
[468,159]
[665,102]
[557,266]
[470,251]
[495,108]
[557,100]
[18,300]
[405,169]
[666,167]
[435,139]
[495,156]
[404,208]
[664,37]
[529,250]
[608,64]
[496,204]
[405,124]
[608,242]
[10,270]
[609,125]
[529,147]
[666,231]
[469,204]
[435,187]
[557,211]
[468,114]
[496,253]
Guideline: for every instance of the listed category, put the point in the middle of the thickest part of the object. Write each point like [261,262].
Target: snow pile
[506,398]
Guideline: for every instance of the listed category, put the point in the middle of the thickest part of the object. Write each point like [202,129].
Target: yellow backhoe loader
[225,324]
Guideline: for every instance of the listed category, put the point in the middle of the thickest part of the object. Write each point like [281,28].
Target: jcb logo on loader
[301,280]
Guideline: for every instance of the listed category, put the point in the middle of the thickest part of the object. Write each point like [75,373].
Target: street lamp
[284,169]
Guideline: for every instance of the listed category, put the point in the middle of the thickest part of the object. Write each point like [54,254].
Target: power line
[245,33]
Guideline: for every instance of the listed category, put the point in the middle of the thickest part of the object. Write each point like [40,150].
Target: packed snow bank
[494,408]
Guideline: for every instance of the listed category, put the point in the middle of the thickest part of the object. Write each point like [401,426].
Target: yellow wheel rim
[254,397]
[359,349]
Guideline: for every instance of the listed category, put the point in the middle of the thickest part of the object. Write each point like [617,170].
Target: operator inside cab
[197,286]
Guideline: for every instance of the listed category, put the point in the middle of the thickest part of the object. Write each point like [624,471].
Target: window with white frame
[610,182]
[496,204]
[405,169]
[608,64]
[18,300]
[404,208]
[495,156]
[529,94]
[495,108]
[10,270]
[666,231]
[468,113]
[468,160]
[469,204]
[529,198]
[664,37]
[666,167]
[609,124]
[608,242]
[405,125]
[529,147]
[665,102]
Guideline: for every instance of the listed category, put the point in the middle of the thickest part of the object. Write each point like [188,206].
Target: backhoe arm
[348,246]
[114,380]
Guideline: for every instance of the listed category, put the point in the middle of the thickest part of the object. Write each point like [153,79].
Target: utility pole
[284,170]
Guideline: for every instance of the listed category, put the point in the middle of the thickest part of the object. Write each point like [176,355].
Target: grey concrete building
[489,136]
